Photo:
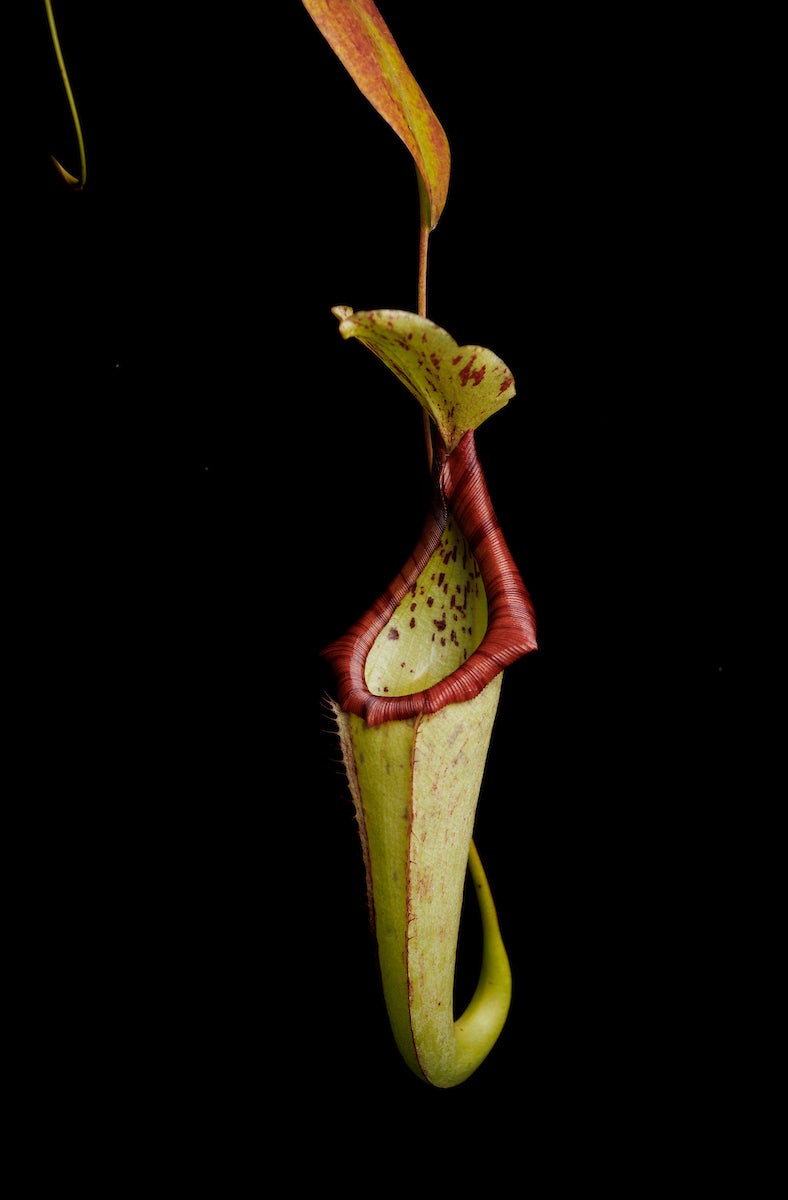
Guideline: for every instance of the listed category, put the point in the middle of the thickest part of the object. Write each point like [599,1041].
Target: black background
[208,485]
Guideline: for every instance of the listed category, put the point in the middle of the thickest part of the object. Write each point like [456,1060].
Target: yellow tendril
[76,183]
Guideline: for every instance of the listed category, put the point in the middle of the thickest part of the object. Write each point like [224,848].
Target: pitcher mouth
[460,491]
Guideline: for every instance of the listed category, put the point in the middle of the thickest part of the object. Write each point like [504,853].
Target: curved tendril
[76,183]
[482,1021]
[446,1061]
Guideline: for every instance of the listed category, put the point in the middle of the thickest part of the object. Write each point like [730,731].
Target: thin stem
[71,180]
[424,239]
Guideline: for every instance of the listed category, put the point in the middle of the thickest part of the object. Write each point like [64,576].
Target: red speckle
[393,634]
[440,625]
[468,374]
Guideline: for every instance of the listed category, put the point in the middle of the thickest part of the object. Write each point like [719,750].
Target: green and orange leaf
[364,45]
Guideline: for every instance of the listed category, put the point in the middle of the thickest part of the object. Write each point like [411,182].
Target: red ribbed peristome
[459,488]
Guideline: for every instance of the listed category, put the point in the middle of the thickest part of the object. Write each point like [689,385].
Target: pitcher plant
[418,676]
